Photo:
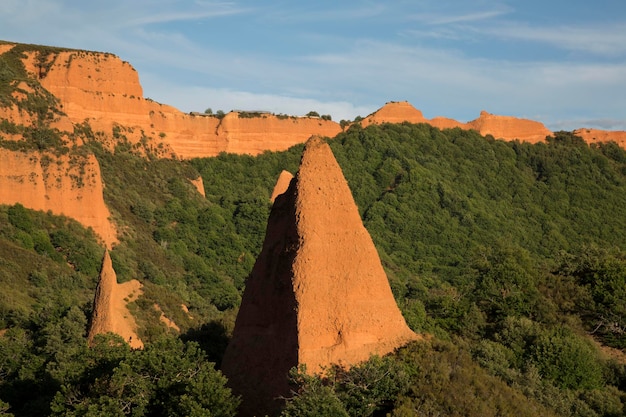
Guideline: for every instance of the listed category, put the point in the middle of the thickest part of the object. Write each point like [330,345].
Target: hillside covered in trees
[508,256]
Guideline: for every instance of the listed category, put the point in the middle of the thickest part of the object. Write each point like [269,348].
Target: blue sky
[560,62]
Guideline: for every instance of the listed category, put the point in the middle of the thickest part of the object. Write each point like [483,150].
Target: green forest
[508,257]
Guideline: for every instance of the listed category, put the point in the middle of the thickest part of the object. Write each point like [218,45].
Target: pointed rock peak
[395,112]
[110,312]
[317,294]
[284,179]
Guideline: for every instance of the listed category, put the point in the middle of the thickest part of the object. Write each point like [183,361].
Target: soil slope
[317,294]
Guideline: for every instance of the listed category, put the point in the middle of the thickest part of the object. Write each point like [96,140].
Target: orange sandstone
[597,135]
[104,91]
[510,128]
[317,294]
[282,184]
[446,123]
[65,185]
[110,311]
[199,184]
[501,127]
[395,112]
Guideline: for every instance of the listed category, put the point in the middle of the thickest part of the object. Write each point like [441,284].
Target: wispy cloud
[312,13]
[609,40]
[173,16]
[445,19]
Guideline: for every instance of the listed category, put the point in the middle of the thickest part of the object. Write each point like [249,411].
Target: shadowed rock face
[317,294]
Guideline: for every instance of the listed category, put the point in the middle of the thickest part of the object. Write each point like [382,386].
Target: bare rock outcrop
[282,184]
[104,91]
[501,127]
[598,135]
[395,112]
[317,294]
[198,183]
[67,185]
[510,128]
[110,311]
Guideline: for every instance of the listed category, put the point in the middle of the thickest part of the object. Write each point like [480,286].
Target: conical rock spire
[110,311]
[317,294]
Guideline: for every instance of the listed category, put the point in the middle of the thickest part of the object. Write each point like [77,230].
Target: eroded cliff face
[101,94]
[317,295]
[69,185]
[110,311]
[254,135]
[104,91]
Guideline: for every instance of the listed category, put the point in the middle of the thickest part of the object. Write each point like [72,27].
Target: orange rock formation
[105,91]
[597,135]
[67,185]
[199,184]
[509,128]
[501,127]
[317,294]
[110,311]
[282,184]
[395,112]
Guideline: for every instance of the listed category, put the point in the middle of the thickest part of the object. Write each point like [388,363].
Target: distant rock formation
[199,184]
[395,112]
[597,135]
[110,311]
[104,91]
[500,127]
[317,294]
[67,185]
[510,128]
[282,184]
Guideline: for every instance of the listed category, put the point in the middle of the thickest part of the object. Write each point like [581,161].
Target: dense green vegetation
[510,255]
